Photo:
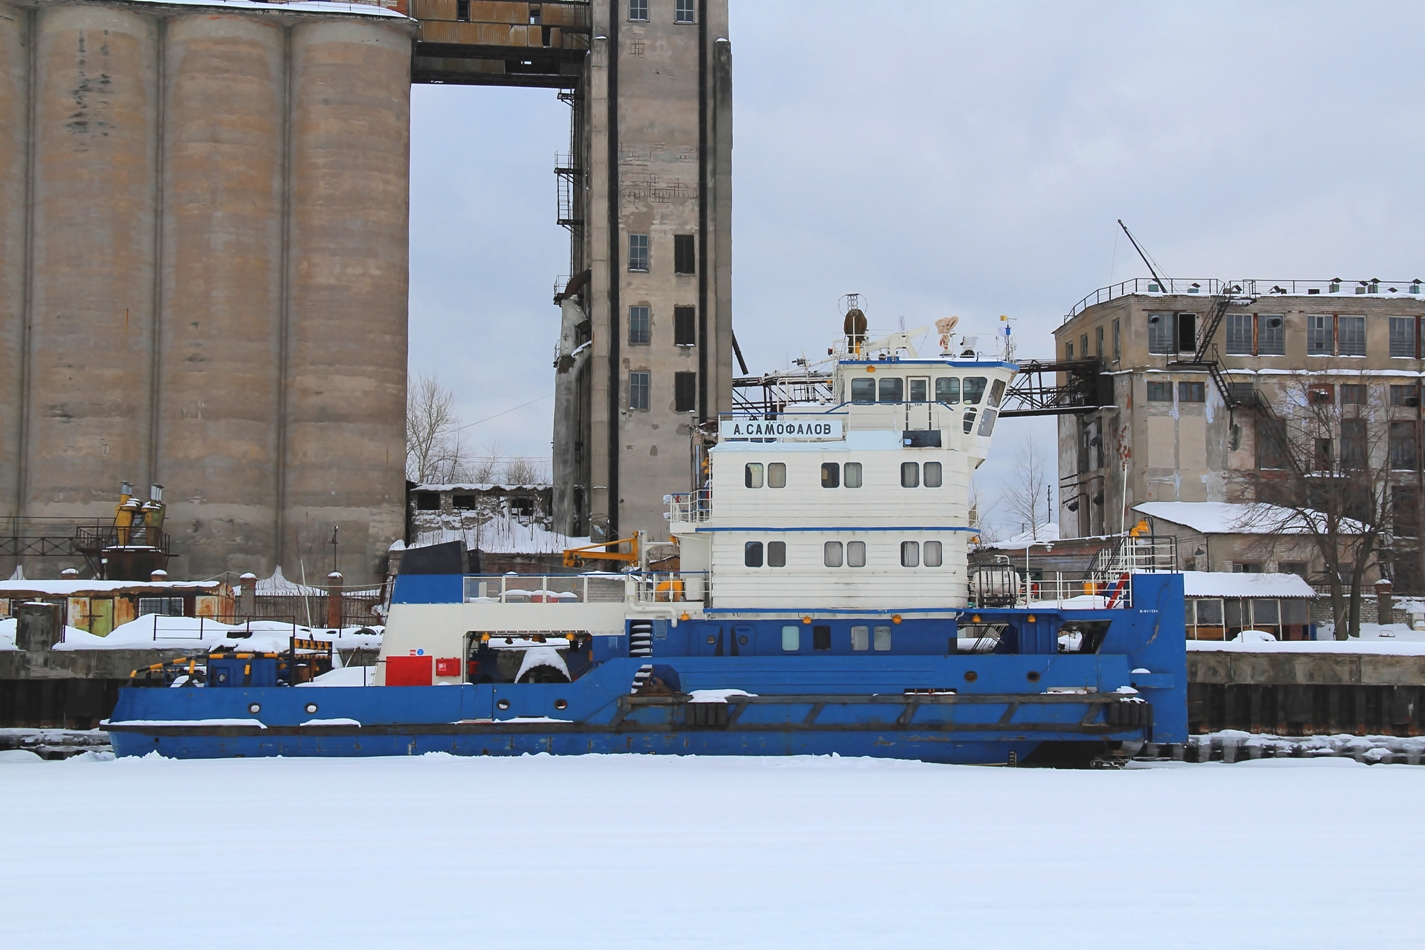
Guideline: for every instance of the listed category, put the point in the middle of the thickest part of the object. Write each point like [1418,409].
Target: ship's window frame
[752,475]
[987,423]
[910,474]
[969,425]
[863,398]
[830,475]
[921,383]
[947,389]
[881,638]
[932,554]
[855,553]
[831,554]
[932,475]
[791,638]
[974,389]
[893,386]
[998,386]
[776,554]
[860,637]
[821,637]
[851,475]
[776,474]
[910,554]
[752,554]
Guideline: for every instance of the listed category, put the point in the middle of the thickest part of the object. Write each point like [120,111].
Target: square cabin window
[881,639]
[892,389]
[752,554]
[932,474]
[685,331]
[910,474]
[1160,392]
[791,638]
[931,553]
[831,554]
[640,326]
[638,253]
[860,638]
[855,553]
[851,473]
[684,259]
[777,475]
[947,389]
[1192,392]
[863,391]
[910,554]
[752,475]
[638,385]
[919,389]
[821,637]
[776,554]
[830,475]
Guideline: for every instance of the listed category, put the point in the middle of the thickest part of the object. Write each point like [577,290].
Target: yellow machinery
[595,554]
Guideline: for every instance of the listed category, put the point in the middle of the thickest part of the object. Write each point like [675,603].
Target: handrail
[1209,287]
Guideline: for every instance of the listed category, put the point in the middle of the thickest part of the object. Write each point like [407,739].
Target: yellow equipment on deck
[598,553]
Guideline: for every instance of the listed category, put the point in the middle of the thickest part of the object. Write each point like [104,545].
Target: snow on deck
[703,853]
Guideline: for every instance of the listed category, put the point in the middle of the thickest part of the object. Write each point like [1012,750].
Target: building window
[947,389]
[1271,444]
[638,9]
[1402,445]
[1351,336]
[881,639]
[855,553]
[860,638]
[1068,351]
[752,554]
[1239,334]
[932,553]
[932,473]
[1353,445]
[1404,396]
[163,606]
[852,475]
[685,392]
[684,11]
[892,389]
[752,475]
[1318,334]
[462,11]
[684,258]
[638,390]
[1098,342]
[910,554]
[863,391]
[1402,337]
[776,554]
[910,474]
[791,638]
[831,554]
[1299,568]
[1271,335]
[1084,345]
[1160,392]
[777,475]
[1246,567]
[685,331]
[427,501]
[1192,392]
[639,326]
[1353,394]
[830,475]
[1117,342]
[638,253]
[1160,333]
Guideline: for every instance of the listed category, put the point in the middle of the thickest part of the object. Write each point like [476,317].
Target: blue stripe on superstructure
[763,528]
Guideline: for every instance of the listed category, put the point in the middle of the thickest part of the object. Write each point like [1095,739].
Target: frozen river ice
[618,851]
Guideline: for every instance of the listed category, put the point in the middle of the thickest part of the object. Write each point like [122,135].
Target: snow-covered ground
[621,851]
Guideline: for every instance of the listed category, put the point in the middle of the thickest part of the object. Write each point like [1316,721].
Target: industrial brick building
[1196,368]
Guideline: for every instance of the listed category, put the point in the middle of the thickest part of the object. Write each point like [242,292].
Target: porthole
[561,704]
[503,704]
[742,639]
[1032,676]
[222,677]
[254,708]
[311,708]
[712,639]
[971,676]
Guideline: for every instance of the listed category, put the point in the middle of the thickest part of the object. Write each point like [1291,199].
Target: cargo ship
[821,602]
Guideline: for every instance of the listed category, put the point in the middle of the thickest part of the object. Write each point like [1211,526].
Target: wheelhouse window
[638,385]
[851,475]
[919,388]
[974,389]
[830,475]
[863,391]
[987,422]
[752,554]
[997,392]
[892,389]
[969,421]
[947,389]
[776,554]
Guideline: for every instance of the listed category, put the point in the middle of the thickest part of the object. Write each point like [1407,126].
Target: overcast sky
[956,158]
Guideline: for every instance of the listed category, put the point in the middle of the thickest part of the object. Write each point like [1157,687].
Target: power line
[505,412]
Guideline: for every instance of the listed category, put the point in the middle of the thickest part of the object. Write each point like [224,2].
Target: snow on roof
[1224,584]
[70,588]
[1047,532]
[279,586]
[1215,517]
[478,486]
[299,6]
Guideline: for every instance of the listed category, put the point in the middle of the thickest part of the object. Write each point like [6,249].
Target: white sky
[957,158]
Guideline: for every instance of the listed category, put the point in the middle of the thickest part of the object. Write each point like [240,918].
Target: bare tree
[1025,495]
[433,452]
[522,471]
[1324,470]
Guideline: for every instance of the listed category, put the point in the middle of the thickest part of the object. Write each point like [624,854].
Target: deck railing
[547,588]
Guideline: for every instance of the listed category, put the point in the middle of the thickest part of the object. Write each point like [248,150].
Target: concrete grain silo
[222,307]
[203,251]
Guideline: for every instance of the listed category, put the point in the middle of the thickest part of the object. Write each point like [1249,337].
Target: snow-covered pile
[9,626]
[154,632]
[1383,639]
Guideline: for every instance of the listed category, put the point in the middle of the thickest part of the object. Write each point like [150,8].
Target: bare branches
[1027,493]
[433,452]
